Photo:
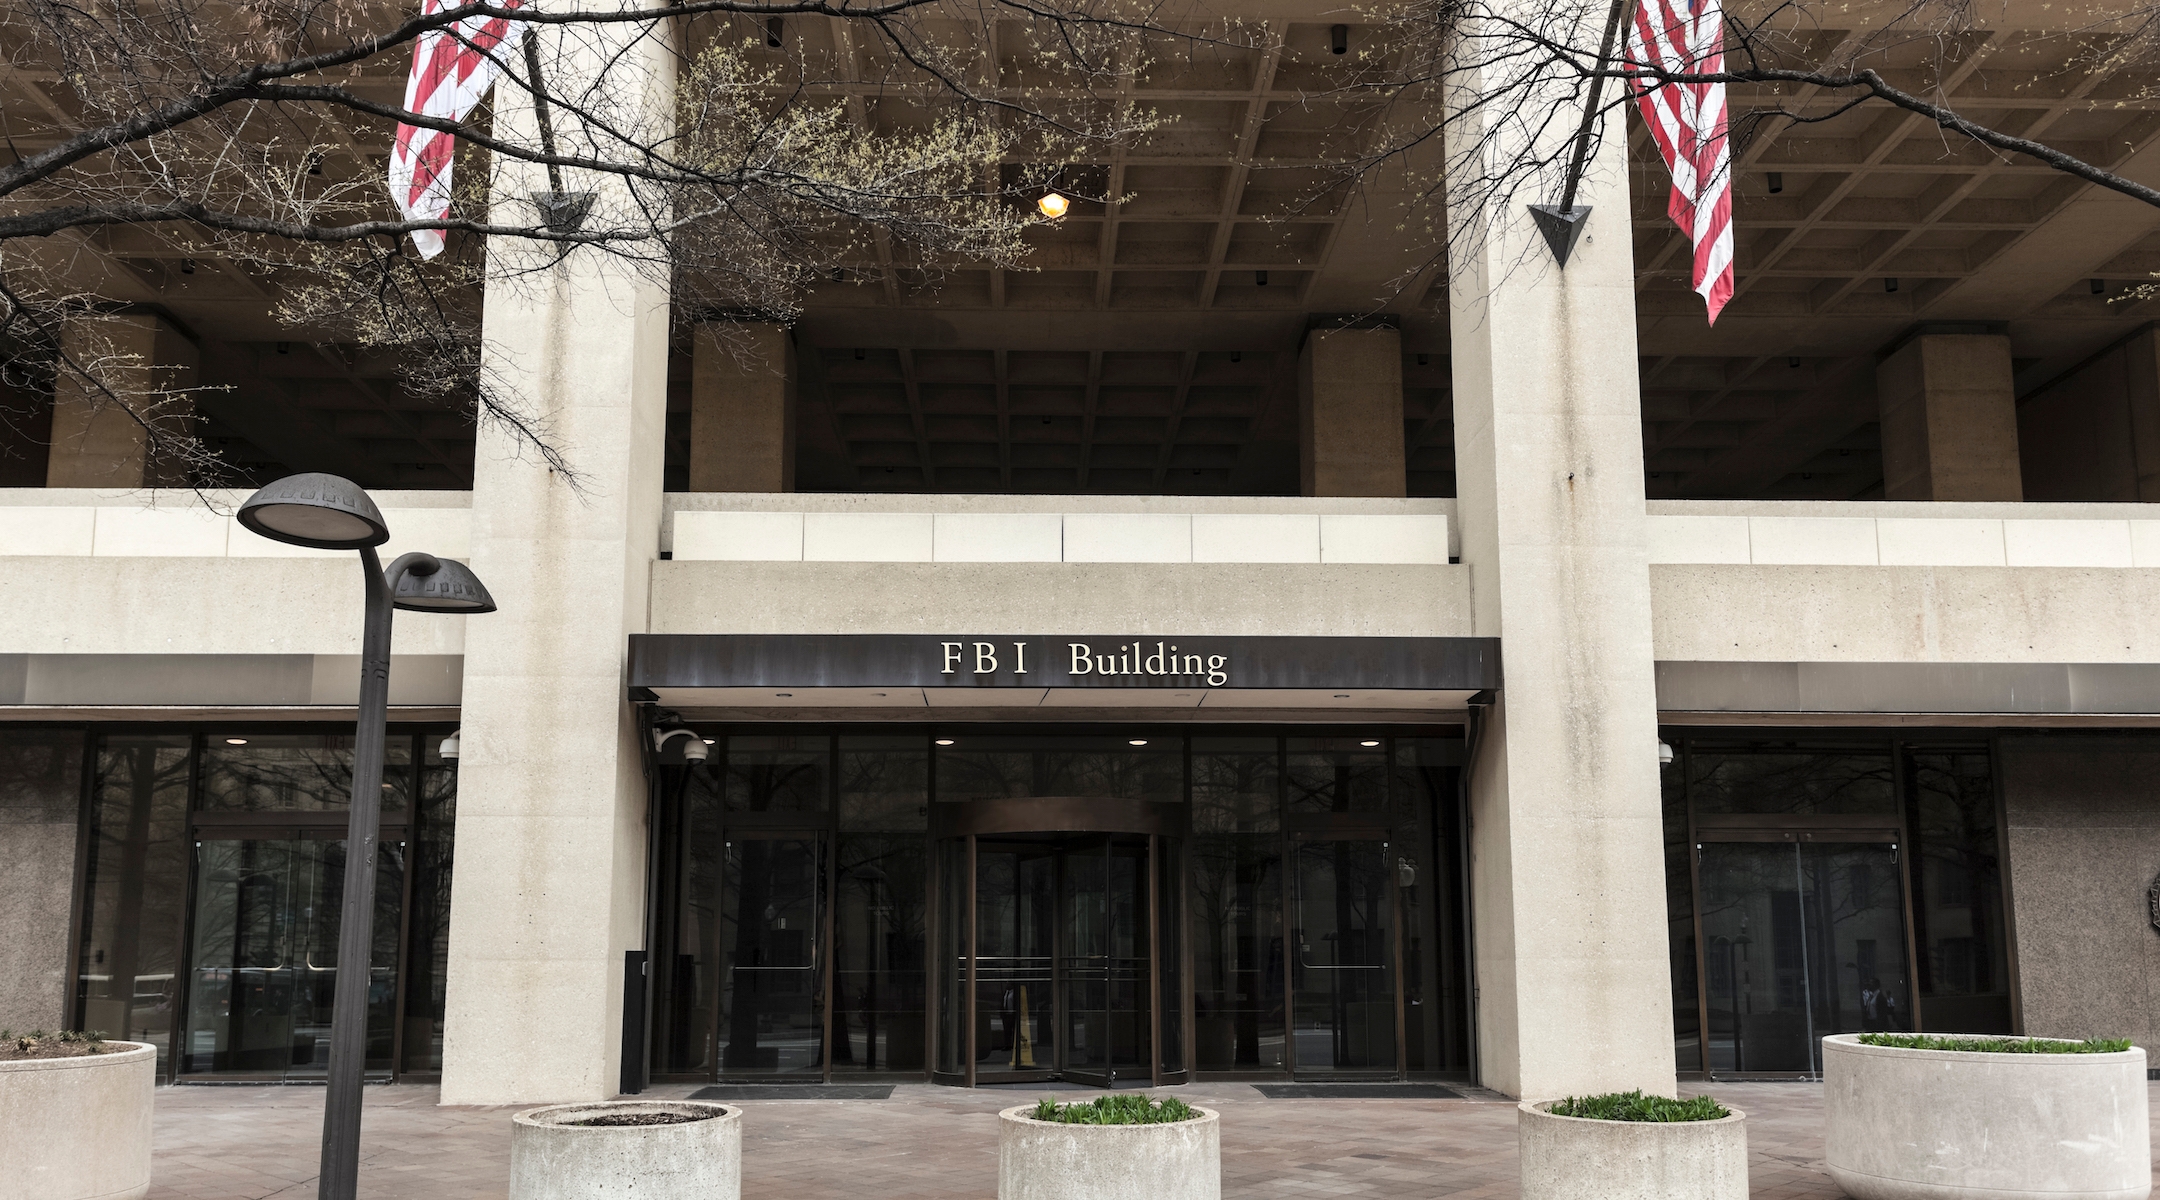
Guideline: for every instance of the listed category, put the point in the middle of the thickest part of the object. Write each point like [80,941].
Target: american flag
[452,68]
[1687,120]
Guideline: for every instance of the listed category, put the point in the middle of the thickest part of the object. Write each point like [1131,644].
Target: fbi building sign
[957,660]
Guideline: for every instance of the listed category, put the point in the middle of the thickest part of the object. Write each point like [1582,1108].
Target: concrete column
[549,887]
[1567,857]
[2094,433]
[742,408]
[1949,419]
[140,367]
[1350,413]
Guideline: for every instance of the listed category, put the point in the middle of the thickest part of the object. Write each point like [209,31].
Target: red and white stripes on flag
[1687,120]
[452,68]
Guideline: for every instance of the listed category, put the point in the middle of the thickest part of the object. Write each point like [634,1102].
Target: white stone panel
[867,537]
[177,532]
[1938,542]
[2067,543]
[1815,541]
[2145,543]
[442,532]
[999,537]
[1357,538]
[739,536]
[1699,540]
[1289,538]
[1128,537]
[47,530]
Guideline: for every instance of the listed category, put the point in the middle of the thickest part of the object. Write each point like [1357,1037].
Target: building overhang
[953,675]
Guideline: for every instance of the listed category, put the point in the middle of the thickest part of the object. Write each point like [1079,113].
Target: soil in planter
[1982,1044]
[15,1047]
[1634,1106]
[643,1118]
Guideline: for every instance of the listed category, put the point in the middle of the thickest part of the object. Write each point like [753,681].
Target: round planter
[554,1158]
[77,1128]
[1573,1158]
[1046,1160]
[1940,1124]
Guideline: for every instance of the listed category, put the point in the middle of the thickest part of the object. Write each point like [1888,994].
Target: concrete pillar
[742,408]
[140,367]
[1350,414]
[1949,419]
[549,887]
[2094,433]
[1567,855]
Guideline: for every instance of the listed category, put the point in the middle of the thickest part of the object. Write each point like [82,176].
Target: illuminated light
[1137,742]
[710,741]
[944,741]
[1053,205]
[236,741]
[1368,743]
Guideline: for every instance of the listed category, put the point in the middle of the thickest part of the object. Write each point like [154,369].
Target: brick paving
[250,1143]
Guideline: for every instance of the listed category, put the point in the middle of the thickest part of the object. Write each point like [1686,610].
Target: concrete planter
[77,1128]
[552,1157]
[1573,1158]
[1942,1124]
[1046,1160]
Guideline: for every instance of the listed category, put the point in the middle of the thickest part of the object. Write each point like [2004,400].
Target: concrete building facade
[1165,665]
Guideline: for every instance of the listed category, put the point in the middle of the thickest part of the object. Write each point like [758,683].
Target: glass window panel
[1339,775]
[880,984]
[293,772]
[1811,780]
[1435,1011]
[136,889]
[1139,766]
[40,808]
[687,938]
[1341,976]
[1680,918]
[771,915]
[884,783]
[777,774]
[1957,892]
[427,960]
[952,951]
[1236,785]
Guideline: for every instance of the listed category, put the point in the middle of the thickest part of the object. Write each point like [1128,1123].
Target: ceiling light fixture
[236,741]
[1777,182]
[1338,39]
[1136,741]
[1369,743]
[1053,205]
[1342,695]
[944,741]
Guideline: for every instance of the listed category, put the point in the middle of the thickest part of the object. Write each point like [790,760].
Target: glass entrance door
[1342,977]
[1054,975]
[1800,939]
[771,1018]
[263,965]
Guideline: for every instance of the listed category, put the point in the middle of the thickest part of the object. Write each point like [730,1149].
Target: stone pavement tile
[929,1143]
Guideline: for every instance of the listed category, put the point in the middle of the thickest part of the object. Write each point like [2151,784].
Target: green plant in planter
[1634,1106]
[1115,1110]
[1994,1045]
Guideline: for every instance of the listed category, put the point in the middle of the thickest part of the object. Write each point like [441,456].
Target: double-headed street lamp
[329,513]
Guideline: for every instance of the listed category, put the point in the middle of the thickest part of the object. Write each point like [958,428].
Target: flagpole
[1589,117]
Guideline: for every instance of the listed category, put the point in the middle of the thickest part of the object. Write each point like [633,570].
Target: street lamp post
[329,513]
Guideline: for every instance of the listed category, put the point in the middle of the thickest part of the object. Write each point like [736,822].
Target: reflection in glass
[775,774]
[1015,949]
[1815,779]
[879,1000]
[1680,918]
[771,1002]
[1957,892]
[1104,971]
[952,949]
[263,965]
[686,933]
[136,890]
[1341,981]
[1339,775]
[1236,881]
[292,773]
[1435,1009]
[1018,766]
[1800,940]
[427,957]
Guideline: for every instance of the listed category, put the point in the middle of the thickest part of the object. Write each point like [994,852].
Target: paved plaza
[250,1143]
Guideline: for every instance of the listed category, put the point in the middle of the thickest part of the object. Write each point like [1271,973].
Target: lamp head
[318,510]
[450,587]
[1052,205]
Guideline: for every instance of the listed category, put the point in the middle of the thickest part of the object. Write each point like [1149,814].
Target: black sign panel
[715,660]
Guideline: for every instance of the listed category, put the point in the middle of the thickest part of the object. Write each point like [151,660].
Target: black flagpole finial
[1561,227]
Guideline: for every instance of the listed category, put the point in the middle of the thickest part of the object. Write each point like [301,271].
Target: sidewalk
[248,1143]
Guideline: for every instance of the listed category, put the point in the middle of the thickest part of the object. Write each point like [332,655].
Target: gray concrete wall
[40,790]
[2083,835]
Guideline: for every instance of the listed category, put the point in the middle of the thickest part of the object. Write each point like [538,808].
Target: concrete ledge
[1960,1125]
[1571,1158]
[1905,687]
[77,1128]
[1046,1160]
